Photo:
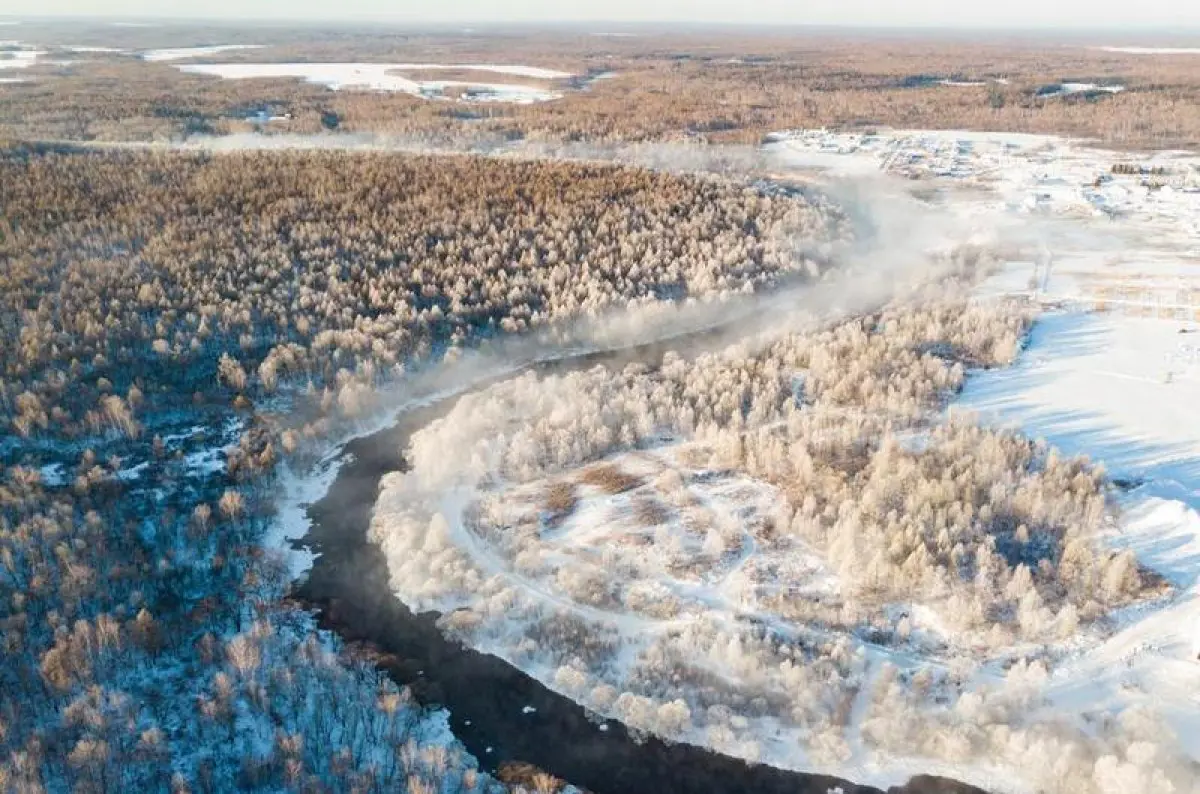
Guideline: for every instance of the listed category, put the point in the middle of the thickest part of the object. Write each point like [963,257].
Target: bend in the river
[498,712]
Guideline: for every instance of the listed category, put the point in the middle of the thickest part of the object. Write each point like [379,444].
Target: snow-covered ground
[53,475]
[336,76]
[388,77]
[1153,50]
[675,567]
[1122,389]
[1122,386]
[82,48]
[1102,221]
[183,53]
[1114,374]
[512,70]
[19,56]
[1066,89]
[16,55]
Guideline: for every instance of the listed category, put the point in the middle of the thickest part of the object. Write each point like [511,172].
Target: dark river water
[487,697]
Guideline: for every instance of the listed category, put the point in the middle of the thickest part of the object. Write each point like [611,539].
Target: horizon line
[1160,27]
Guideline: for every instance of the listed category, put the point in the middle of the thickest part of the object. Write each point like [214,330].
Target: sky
[1167,14]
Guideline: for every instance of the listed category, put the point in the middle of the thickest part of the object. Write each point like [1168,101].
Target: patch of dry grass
[609,478]
[559,501]
[650,512]
[529,778]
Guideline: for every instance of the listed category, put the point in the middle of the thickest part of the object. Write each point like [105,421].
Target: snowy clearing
[1086,383]
[1067,89]
[1153,50]
[535,72]
[1124,391]
[89,49]
[181,53]
[54,475]
[385,77]
[19,58]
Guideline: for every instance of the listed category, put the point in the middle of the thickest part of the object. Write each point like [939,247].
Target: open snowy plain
[390,77]
[534,84]
[655,587]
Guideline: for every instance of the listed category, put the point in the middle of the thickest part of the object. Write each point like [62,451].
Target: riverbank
[498,712]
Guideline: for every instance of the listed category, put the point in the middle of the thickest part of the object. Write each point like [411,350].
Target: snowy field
[1112,371]
[1140,219]
[184,53]
[389,77]
[85,49]
[1153,50]
[1066,89]
[598,580]
[527,84]
[1124,390]
[18,56]
[15,57]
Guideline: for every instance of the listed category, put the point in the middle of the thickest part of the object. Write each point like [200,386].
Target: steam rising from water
[901,248]
[898,245]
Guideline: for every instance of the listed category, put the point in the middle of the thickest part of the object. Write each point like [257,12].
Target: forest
[785,537]
[716,86]
[176,331]
[759,526]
